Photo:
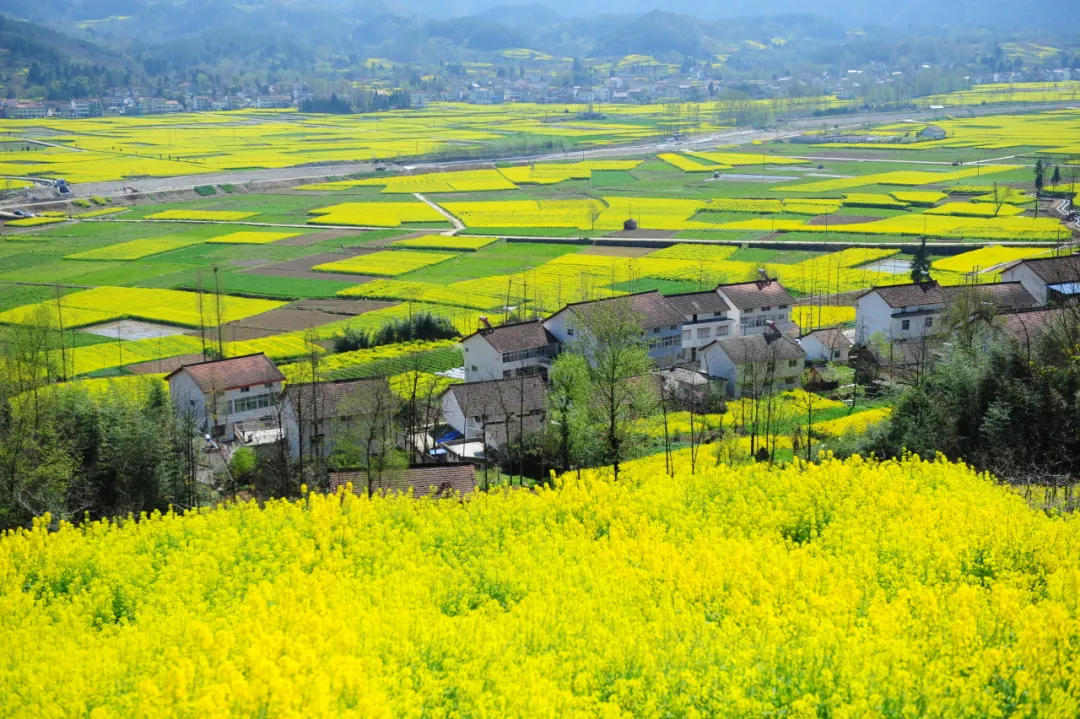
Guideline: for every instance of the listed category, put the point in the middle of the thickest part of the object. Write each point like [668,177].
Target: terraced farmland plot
[166,306]
[135,249]
[986,257]
[375,214]
[204,215]
[389,263]
[251,238]
[447,242]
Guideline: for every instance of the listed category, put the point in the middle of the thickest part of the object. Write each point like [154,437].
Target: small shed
[932,132]
[629,224]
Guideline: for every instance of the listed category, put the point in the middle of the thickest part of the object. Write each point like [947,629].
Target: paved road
[458,224]
[787,129]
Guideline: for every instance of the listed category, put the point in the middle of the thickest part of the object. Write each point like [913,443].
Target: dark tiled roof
[496,398]
[344,398]
[833,338]
[755,348]
[1053,270]
[498,432]
[910,295]
[652,307]
[1006,295]
[698,303]
[434,480]
[1026,326]
[748,295]
[520,336]
[232,373]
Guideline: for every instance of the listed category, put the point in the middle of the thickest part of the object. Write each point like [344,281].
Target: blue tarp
[449,436]
[1065,288]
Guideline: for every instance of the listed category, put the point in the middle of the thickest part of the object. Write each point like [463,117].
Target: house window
[722,331]
[759,322]
[269,385]
[704,333]
[686,334]
[717,314]
[766,309]
[783,307]
[250,404]
[570,332]
[791,380]
[245,389]
[674,327]
[793,363]
[905,325]
[656,330]
[929,322]
[836,354]
[507,374]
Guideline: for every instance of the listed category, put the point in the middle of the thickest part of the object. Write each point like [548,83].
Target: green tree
[611,340]
[920,264]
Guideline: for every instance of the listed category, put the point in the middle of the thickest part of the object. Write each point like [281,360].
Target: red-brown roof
[699,303]
[434,480]
[231,373]
[652,308]
[759,293]
[910,295]
[519,336]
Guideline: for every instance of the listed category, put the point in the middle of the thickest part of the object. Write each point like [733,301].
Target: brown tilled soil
[842,220]
[645,233]
[348,308]
[613,251]
[300,268]
[844,299]
[317,237]
[168,364]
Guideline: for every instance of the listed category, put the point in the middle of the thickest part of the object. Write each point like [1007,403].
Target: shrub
[205,190]
[423,326]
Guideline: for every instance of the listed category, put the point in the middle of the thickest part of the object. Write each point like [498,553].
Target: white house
[1052,279]
[707,316]
[909,312]
[661,323]
[755,364]
[827,345]
[506,351]
[496,411]
[221,394]
[758,303]
[324,416]
[932,132]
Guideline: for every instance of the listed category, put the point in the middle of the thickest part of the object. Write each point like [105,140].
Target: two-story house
[221,394]
[754,364]
[1050,280]
[759,303]
[901,313]
[660,321]
[496,411]
[508,350]
[324,417]
[707,316]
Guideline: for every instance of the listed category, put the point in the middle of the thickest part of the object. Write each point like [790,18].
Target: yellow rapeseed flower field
[135,249]
[845,589]
[387,263]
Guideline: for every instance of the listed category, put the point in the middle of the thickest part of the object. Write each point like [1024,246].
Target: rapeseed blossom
[843,589]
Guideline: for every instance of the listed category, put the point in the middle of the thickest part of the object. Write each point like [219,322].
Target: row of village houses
[725,335]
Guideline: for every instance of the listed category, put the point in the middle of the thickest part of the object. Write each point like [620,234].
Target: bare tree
[1000,196]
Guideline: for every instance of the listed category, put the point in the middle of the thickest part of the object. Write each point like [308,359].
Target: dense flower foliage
[845,589]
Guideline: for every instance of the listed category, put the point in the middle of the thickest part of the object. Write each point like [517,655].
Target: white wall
[749,320]
[816,350]
[483,357]
[1026,277]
